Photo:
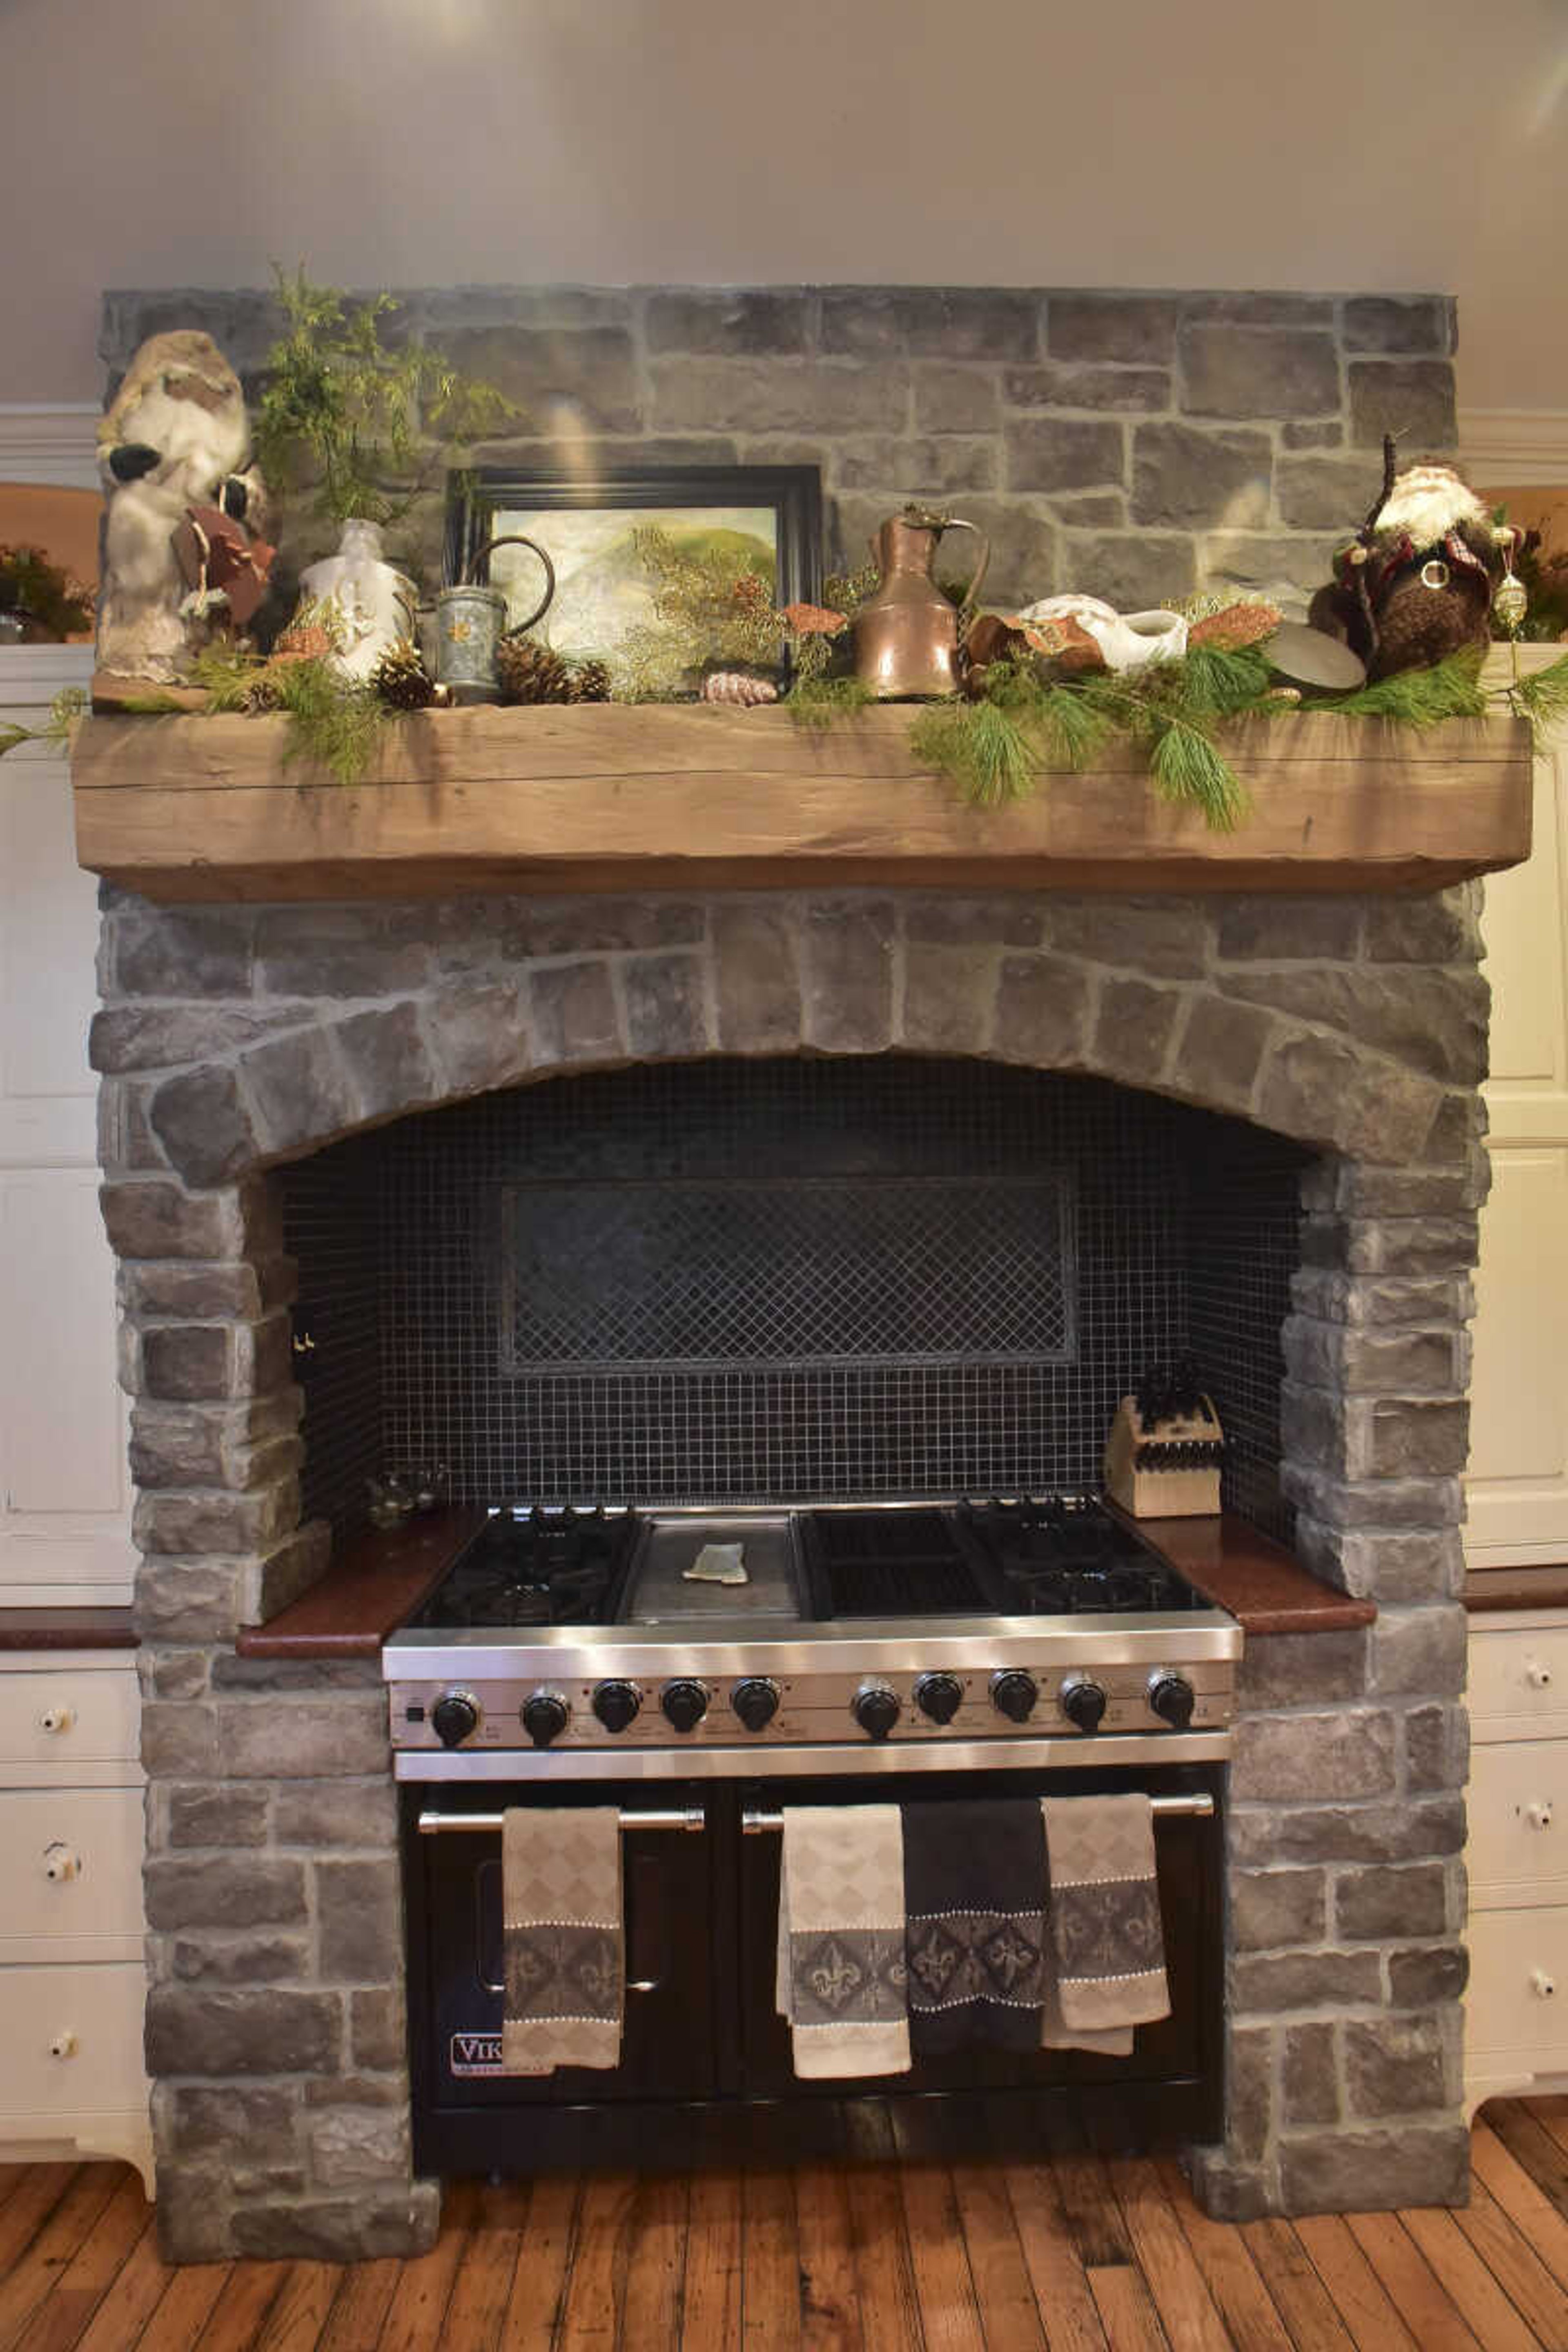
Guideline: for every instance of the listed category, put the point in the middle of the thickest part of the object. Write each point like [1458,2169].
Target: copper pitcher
[907,631]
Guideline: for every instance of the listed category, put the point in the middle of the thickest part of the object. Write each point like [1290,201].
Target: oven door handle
[758,1823]
[691,1819]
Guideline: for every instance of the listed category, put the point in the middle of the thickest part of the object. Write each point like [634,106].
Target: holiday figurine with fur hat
[1416,582]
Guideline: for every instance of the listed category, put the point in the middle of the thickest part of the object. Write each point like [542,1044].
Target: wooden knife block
[1148,1489]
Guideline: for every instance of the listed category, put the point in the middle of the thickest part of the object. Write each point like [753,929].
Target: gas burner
[530,1565]
[1064,1555]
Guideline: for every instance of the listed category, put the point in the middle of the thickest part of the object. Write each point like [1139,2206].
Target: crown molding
[53,445]
[1527,447]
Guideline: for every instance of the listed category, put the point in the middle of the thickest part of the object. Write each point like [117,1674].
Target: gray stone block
[181,952]
[359,1917]
[387,1059]
[1043,1006]
[1132,569]
[1322,433]
[378,2028]
[1393,2066]
[248,1891]
[174,1674]
[1168,938]
[948,920]
[290,1570]
[1327,493]
[848,952]
[1291,1757]
[478,1034]
[305,1739]
[1310,2074]
[137,1037]
[1264,1835]
[358,2091]
[214,1521]
[263,2029]
[1131,328]
[300,1091]
[1222,1051]
[189,1601]
[779,395]
[1249,372]
[1420,1649]
[1134,1024]
[247,1960]
[349,2145]
[1411,1436]
[948,1000]
[1186,478]
[1324,1090]
[756,979]
[1434,1021]
[154,1220]
[1285,930]
[733,321]
[1402,1503]
[201,2121]
[337,1814]
[1389,1902]
[955,399]
[1421,1978]
[574,1014]
[919,467]
[1250,2091]
[1442,928]
[1265,1982]
[1436,1750]
[1285,568]
[1413,1246]
[1143,391]
[187,1362]
[666,1013]
[1375,2171]
[1271,1907]
[951,322]
[220,1816]
[341,951]
[1387,322]
[1413,398]
[193,2213]
[203,1293]
[371,2227]
[126,1143]
[1302,1669]
[1090,509]
[594,926]
[1064,453]
[587,375]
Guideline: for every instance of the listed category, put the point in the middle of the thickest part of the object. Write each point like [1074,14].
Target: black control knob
[544,1716]
[1170,1698]
[684,1704]
[876,1709]
[453,1717]
[617,1704]
[1014,1693]
[755,1701]
[1083,1703]
[940,1696]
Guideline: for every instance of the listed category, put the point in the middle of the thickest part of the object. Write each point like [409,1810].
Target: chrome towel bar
[687,1817]
[760,1824]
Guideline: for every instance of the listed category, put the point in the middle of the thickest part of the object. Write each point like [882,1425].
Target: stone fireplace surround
[1135,444]
[233,1039]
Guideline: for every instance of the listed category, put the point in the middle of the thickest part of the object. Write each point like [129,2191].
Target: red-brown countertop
[67,1629]
[382,1578]
[1545,1587]
[1265,1587]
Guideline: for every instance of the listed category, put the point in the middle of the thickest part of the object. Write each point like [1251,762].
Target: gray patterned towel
[561,1937]
[1106,1946]
[840,1979]
[974,1893]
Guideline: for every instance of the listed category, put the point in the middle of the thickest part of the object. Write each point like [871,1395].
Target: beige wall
[1412,144]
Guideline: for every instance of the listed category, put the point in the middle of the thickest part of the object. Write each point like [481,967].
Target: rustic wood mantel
[612,797]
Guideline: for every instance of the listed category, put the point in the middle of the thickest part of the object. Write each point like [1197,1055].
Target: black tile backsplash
[1154,1228]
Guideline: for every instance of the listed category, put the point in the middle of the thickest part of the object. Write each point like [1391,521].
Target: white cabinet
[1518,1480]
[71,1987]
[1516,2008]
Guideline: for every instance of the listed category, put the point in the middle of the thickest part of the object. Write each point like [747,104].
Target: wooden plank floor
[1077,2252]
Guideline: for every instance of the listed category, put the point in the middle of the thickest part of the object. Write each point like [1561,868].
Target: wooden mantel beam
[612,797]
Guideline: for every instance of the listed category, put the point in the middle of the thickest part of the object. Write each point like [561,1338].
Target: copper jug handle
[516,539]
[967,603]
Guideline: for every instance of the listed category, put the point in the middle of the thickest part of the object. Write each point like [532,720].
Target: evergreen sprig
[1543,699]
[338,726]
[1451,689]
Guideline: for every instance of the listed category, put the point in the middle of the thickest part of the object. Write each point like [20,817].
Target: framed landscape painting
[768,518]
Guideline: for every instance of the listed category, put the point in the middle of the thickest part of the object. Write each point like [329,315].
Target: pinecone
[532,672]
[400,677]
[590,682]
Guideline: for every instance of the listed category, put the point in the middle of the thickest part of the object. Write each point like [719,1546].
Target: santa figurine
[179,540]
[1418,581]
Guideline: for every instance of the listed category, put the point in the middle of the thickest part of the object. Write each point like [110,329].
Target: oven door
[453,1893]
[1174,2073]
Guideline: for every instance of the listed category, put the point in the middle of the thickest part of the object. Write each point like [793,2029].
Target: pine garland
[1543,699]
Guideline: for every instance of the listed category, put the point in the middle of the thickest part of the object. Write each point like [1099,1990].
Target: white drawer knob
[1538,1676]
[1542,1985]
[1539,1813]
[61,1864]
[64,2046]
[58,1719]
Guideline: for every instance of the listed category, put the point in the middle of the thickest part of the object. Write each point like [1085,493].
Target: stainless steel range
[1028,1630]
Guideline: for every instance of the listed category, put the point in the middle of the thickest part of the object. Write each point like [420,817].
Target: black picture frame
[478,496]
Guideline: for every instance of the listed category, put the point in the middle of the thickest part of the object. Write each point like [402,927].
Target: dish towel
[1105,1949]
[561,1937]
[840,1973]
[974,1894]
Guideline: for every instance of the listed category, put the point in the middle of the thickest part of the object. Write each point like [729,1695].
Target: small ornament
[400,677]
[737,686]
[1511,599]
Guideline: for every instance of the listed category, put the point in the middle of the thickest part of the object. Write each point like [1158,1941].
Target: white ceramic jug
[375,602]
[1128,640]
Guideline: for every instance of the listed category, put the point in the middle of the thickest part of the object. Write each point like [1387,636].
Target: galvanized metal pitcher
[470,619]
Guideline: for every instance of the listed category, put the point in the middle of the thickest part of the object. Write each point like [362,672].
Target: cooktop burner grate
[536,1568]
[889,1564]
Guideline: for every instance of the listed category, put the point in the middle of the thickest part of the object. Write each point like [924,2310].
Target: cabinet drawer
[1516,2003]
[71,1862]
[1519,1682]
[78,1715]
[72,2039]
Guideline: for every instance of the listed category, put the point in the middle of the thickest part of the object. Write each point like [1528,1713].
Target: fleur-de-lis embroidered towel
[840,1979]
[561,1937]
[1106,1957]
[974,1895]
